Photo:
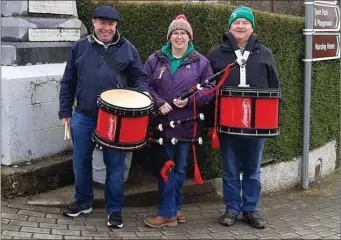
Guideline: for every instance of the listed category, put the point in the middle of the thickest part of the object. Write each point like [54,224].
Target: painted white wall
[285,175]
[288,174]
[31,128]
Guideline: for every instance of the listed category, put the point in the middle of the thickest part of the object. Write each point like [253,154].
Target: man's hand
[64,120]
[180,103]
[165,108]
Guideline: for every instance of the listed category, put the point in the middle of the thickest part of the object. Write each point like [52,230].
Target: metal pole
[307,91]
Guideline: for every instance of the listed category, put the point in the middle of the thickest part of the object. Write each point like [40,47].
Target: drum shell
[122,128]
[249,111]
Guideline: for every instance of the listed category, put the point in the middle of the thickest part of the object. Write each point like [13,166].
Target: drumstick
[66,131]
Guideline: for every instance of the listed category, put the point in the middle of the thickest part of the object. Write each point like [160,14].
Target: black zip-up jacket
[261,69]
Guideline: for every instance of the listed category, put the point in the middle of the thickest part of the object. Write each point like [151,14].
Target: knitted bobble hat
[180,23]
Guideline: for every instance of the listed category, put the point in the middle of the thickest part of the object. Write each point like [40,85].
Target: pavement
[295,213]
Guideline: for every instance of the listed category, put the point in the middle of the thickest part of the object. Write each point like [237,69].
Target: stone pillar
[36,40]
[35,32]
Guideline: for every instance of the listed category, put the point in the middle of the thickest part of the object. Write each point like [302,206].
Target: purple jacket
[195,69]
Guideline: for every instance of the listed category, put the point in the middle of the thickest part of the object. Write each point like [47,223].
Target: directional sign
[326,47]
[328,2]
[326,17]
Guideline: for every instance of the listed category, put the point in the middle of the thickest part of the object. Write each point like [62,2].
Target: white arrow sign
[326,17]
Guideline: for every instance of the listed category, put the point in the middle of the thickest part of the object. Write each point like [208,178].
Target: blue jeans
[171,191]
[241,155]
[82,128]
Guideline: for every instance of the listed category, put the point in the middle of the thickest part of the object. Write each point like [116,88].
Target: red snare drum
[123,118]
[250,112]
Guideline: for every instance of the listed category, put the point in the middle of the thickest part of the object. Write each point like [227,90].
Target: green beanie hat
[242,12]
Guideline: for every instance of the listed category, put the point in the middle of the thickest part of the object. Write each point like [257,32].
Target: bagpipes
[199,87]
[160,163]
[154,156]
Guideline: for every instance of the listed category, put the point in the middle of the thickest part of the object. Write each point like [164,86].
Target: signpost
[326,17]
[326,47]
[322,42]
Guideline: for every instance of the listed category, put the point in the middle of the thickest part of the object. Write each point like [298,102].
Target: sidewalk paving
[310,214]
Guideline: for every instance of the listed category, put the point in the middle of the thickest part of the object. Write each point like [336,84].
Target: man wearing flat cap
[243,155]
[86,75]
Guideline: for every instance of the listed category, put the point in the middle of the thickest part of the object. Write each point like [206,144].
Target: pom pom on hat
[180,23]
[181,16]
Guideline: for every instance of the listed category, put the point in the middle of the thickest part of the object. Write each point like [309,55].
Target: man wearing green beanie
[257,69]
[242,12]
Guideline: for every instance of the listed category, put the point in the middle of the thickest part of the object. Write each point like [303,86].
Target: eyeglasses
[181,34]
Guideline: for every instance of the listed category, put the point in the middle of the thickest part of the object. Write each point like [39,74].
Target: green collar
[167,50]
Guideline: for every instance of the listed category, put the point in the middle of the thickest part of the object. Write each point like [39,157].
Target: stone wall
[36,40]
[31,128]
[36,32]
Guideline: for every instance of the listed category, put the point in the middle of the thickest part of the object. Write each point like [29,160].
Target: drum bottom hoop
[118,146]
[266,133]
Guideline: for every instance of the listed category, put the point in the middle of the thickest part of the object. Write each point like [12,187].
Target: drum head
[125,98]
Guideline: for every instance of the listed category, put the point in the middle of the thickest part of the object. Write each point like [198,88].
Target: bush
[146,24]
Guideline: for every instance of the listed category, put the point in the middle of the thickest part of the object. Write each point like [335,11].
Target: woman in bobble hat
[172,71]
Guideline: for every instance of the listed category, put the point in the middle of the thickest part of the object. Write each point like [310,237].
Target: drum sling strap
[242,57]
[241,60]
[110,62]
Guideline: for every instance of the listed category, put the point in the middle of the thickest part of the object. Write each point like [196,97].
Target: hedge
[146,24]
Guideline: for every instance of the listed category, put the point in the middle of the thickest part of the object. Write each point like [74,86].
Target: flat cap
[106,12]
